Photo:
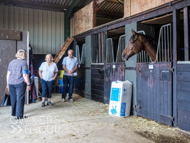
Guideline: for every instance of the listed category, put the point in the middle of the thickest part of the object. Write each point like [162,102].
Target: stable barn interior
[101,31]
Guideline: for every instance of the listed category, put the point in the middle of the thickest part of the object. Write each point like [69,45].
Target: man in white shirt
[69,65]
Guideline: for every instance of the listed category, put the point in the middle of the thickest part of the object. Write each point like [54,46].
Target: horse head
[133,47]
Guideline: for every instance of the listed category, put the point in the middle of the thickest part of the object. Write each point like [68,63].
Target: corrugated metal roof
[111,6]
[62,2]
[108,10]
[52,5]
[58,2]
[83,3]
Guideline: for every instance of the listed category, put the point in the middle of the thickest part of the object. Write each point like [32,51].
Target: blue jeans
[17,95]
[46,88]
[67,80]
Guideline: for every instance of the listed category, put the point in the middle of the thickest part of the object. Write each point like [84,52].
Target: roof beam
[67,18]
[71,7]
[34,5]
[101,13]
[100,1]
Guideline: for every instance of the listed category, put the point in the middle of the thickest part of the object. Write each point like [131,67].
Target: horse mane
[150,40]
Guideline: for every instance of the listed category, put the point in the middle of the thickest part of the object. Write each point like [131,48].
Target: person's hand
[28,87]
[7,88]
[70,72]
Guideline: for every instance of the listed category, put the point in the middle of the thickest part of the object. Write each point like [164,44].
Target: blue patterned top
[17,68]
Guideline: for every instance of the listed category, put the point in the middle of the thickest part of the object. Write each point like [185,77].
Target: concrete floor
[83,121]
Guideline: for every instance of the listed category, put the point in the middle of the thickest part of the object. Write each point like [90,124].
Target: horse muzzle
[125,58]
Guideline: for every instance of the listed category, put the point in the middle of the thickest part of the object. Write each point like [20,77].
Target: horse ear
[133,31]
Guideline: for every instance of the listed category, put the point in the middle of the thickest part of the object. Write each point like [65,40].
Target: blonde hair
[21,54]
[49,56]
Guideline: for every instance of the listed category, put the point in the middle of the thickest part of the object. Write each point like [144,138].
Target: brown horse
[140,42]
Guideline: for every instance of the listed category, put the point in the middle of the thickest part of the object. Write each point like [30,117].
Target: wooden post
[186,33]
[105,38]
[102,45]
[99,47]
[127,8]
[176,20]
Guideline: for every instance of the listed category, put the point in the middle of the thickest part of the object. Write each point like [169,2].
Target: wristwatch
[28,84]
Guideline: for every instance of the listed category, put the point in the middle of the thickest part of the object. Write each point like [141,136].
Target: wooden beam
[186,33]
[105,38]
[100,1]
[101,13]
[34,5]
[102,45]
[176,23]
[95,8]
[67,18]
[10,34]
[160,18]
[71,7]
[63,49]
[136,18]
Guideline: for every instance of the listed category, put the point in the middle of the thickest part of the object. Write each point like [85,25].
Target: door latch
[172,69]
[137,107]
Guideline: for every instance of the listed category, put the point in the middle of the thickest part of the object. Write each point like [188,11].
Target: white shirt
[48,71]
[70,64]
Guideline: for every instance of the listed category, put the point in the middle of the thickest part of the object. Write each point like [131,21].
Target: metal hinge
[130,68]
[167,118]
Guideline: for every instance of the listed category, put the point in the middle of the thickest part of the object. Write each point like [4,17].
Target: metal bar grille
[142,56]
[109,50]
[164,50]
[121,47]
[164,47]
[83,54]
[78,54]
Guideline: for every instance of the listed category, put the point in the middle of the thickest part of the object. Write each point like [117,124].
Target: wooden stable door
[154,91]
[183,95]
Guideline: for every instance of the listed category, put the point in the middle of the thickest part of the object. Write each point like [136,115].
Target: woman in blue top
[47,72]
[17,79]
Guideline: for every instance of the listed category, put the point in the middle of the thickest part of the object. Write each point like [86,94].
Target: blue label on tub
[123,108]
[114,110]
[115,94]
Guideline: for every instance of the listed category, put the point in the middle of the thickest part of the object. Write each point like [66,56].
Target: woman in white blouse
[47,72]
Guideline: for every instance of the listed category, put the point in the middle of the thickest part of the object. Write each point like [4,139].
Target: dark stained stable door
[101,79]
[183,95]
[154,91]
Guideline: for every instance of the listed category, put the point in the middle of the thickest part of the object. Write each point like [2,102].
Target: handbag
[6,99]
